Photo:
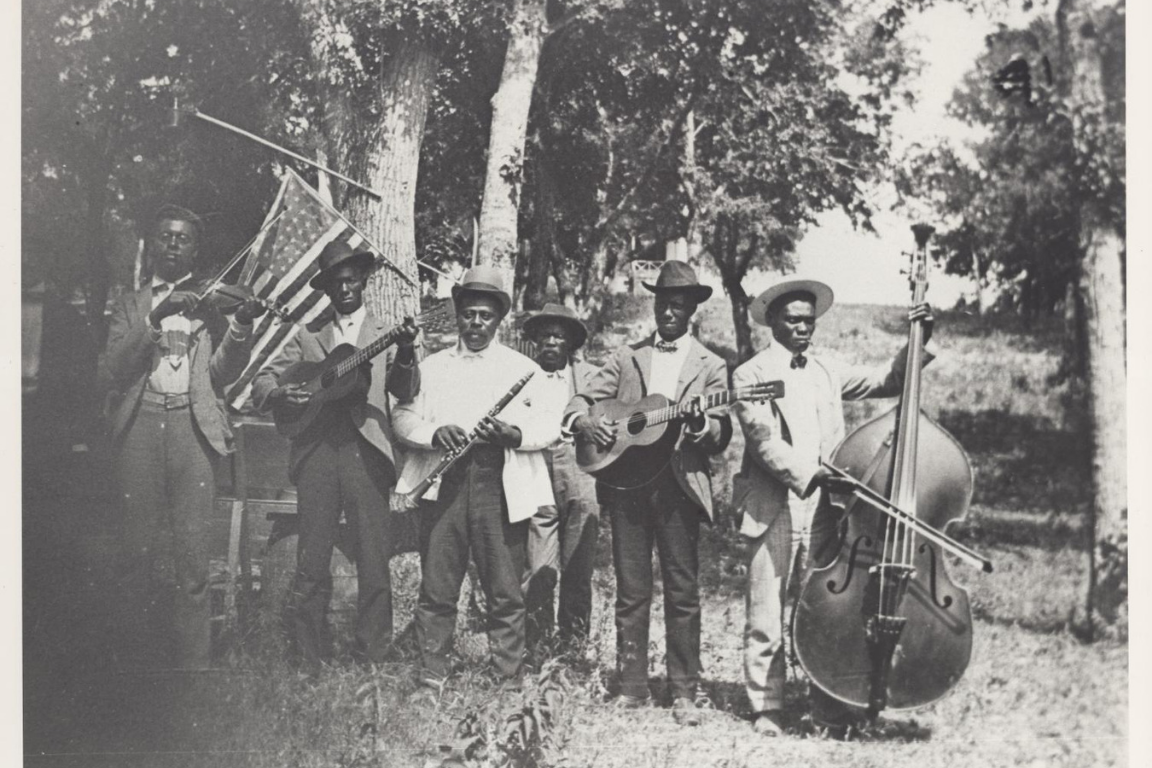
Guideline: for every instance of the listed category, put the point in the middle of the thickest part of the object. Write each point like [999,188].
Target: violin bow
[936,536]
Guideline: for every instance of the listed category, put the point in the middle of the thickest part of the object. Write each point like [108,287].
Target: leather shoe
[685,711]
[624,701]
[769,723]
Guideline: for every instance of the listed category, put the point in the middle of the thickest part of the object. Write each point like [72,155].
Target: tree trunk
[1102,289]
[389,162]
[381,151]
[510,106]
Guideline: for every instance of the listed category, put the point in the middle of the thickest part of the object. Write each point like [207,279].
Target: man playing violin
[781,490]
[167,364]
[668,511]
[484,500]
[345,462]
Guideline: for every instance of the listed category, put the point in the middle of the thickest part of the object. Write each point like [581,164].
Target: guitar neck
[713,400]
[367,353]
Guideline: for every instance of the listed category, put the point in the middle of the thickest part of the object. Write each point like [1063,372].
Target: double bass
[883,625]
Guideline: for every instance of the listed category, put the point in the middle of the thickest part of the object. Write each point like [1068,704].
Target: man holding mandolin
[781,490]
[667,510]
[344,461]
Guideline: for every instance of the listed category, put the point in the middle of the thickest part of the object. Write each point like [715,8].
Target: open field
[1033,695]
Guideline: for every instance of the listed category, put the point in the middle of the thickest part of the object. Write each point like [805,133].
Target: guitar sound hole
[328,379]
[636,423]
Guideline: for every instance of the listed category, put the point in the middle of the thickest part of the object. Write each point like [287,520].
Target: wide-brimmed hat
[335,254]
[820,292]
[678,276]
[483,279]
[560,314]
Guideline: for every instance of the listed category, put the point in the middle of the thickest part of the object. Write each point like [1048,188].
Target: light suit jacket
[372,416]
[215,358]
[771,468]
[624,377]
[527,485]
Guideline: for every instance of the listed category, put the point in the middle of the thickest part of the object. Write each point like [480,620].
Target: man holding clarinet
[483,501]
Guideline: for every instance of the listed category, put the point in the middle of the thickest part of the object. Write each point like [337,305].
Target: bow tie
[666,346]
[799,361]
[162,287]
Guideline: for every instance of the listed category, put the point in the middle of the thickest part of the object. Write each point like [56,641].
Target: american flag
[282,260]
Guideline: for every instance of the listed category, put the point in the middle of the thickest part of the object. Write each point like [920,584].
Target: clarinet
[451,457]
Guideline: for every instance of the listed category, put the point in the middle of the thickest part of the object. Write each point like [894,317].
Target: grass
[1033,694]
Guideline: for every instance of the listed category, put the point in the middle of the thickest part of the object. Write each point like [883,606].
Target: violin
[214,294]
[883,625]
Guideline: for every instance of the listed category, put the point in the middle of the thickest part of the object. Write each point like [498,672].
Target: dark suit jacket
[216,359]
[371,416]
[623,377]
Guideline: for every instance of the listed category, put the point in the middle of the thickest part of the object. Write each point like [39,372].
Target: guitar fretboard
[379,345]
[714,400]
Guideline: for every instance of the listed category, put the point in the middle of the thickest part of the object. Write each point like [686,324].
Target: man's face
[673,310]
[793,323]
[173,248]
[477,318]
[345,288]
[553,345]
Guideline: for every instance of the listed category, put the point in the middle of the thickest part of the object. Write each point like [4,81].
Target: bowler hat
[679,277]
[335,254]
[821,295]
[560,314]
[483,279]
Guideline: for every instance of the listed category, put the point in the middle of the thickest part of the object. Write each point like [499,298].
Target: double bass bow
[882,625]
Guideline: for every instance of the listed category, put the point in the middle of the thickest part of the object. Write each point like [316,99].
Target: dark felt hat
[560,314]
[335,254]
[483,279]
[678,276]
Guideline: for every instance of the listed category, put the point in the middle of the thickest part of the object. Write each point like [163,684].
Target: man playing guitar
[666,511]
[345,462]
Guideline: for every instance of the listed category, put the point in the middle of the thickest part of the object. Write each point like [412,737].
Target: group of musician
[515,502]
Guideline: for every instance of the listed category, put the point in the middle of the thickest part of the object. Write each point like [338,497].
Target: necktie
[799,361]
[666,346]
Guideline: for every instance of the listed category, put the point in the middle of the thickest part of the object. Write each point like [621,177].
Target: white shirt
[346,328]
[809,393]
[665,373]
[458,386]
[556,388]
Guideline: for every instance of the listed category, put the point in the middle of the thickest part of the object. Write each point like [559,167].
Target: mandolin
[644,440]
[335,377]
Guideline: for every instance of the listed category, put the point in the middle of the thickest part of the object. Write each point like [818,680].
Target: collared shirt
[173,341]
[665,373]
[346,328]
[557,389]
[809,394]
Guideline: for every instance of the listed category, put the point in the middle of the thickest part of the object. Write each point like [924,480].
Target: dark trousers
[471,515]
[659,513]
[343,473]
[562,547]
[165,474]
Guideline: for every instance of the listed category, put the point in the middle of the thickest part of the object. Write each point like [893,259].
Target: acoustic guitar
[644,437]
[335,377]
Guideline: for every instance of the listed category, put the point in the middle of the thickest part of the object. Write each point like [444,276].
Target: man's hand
[923,312]
[600,431]
[694,415]
[290,394]
[831,482]
[406,340]
[450,438]
[248,311]
[497,432]
[175,303]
